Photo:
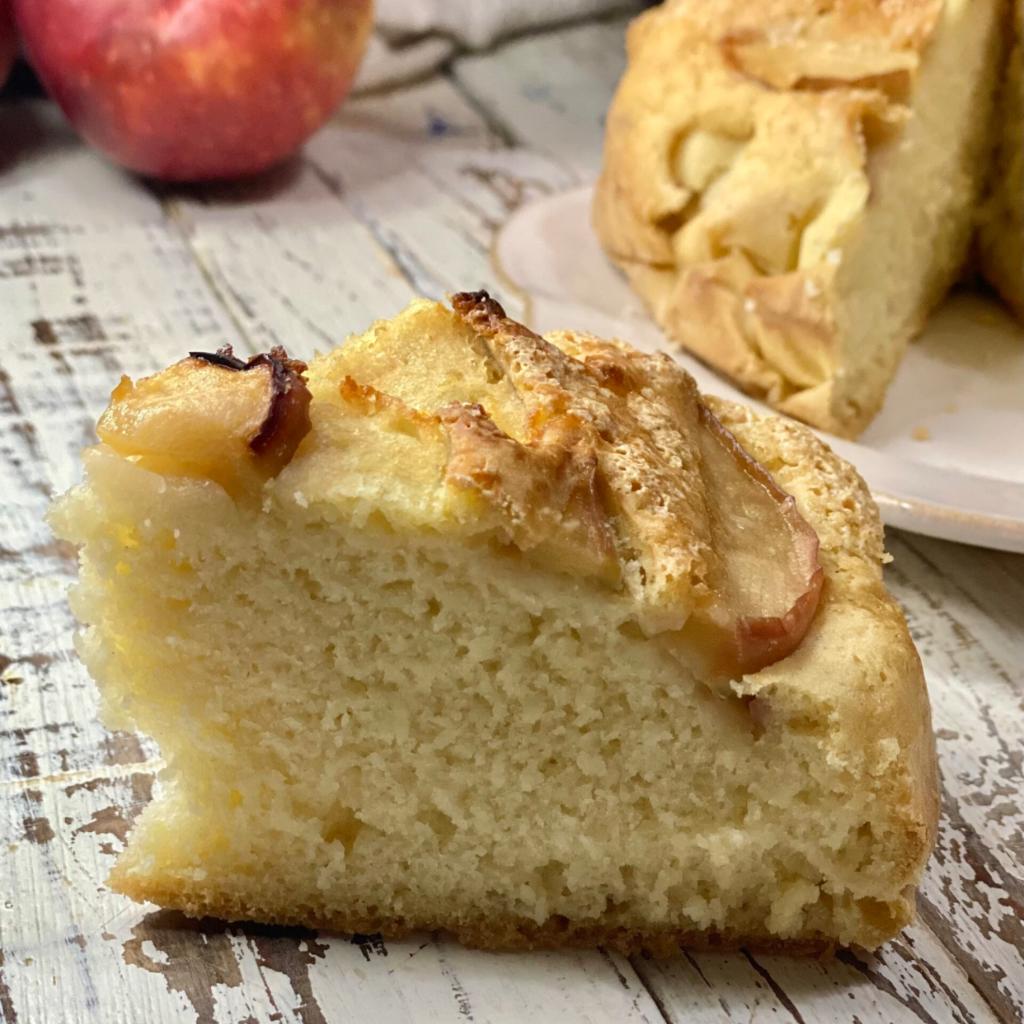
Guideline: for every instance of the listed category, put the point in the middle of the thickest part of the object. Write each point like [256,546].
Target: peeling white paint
[400,196]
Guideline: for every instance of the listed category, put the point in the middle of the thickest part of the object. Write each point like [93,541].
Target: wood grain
[551,92]
[120,279]
[101,274]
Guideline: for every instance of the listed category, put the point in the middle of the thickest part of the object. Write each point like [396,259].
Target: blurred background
[221,72]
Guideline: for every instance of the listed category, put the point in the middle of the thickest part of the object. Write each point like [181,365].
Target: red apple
[8,40]
[191,90]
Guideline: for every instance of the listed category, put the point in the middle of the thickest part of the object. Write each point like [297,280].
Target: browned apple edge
[287,420]
[759,641]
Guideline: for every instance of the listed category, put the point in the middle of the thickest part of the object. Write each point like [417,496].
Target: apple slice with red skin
[768,580]
[214,416]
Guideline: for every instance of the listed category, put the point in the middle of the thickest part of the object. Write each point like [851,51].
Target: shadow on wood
[168,943]
[258,188]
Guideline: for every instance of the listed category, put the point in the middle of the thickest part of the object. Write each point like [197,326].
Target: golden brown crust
[545,487]
[636,416]
[738,171]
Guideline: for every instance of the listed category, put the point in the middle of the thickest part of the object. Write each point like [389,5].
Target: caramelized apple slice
[768,580]
[214,416]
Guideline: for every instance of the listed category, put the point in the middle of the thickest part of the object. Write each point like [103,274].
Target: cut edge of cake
[170,563]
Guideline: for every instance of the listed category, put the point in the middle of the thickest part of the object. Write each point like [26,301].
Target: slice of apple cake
[790,185]
[468,629]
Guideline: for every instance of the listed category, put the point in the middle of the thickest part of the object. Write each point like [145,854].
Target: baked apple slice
[213,416]
[768,580]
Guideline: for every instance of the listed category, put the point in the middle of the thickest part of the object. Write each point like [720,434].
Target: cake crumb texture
[392,699]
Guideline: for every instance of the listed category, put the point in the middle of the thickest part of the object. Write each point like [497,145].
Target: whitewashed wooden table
[102,275]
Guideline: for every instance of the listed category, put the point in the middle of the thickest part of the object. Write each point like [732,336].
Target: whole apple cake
[791,186]
[464,628]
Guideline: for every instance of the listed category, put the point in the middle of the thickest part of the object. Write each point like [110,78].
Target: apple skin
[213,416]
[770,579]
[8,40]
[196,90]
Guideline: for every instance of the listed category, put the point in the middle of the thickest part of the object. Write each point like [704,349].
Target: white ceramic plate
[945,457]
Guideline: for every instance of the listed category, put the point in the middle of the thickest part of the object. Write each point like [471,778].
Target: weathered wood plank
[911,979]
[973,891]
[551,92]
[384,206]
[305,275]
[992,581]
[98,276]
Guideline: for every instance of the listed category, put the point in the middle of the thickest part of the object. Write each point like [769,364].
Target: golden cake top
[711,92]
[583,455]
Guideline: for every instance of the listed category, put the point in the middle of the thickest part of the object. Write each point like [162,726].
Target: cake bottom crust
[494,933]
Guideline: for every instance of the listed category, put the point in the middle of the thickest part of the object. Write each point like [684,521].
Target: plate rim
[902,509]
